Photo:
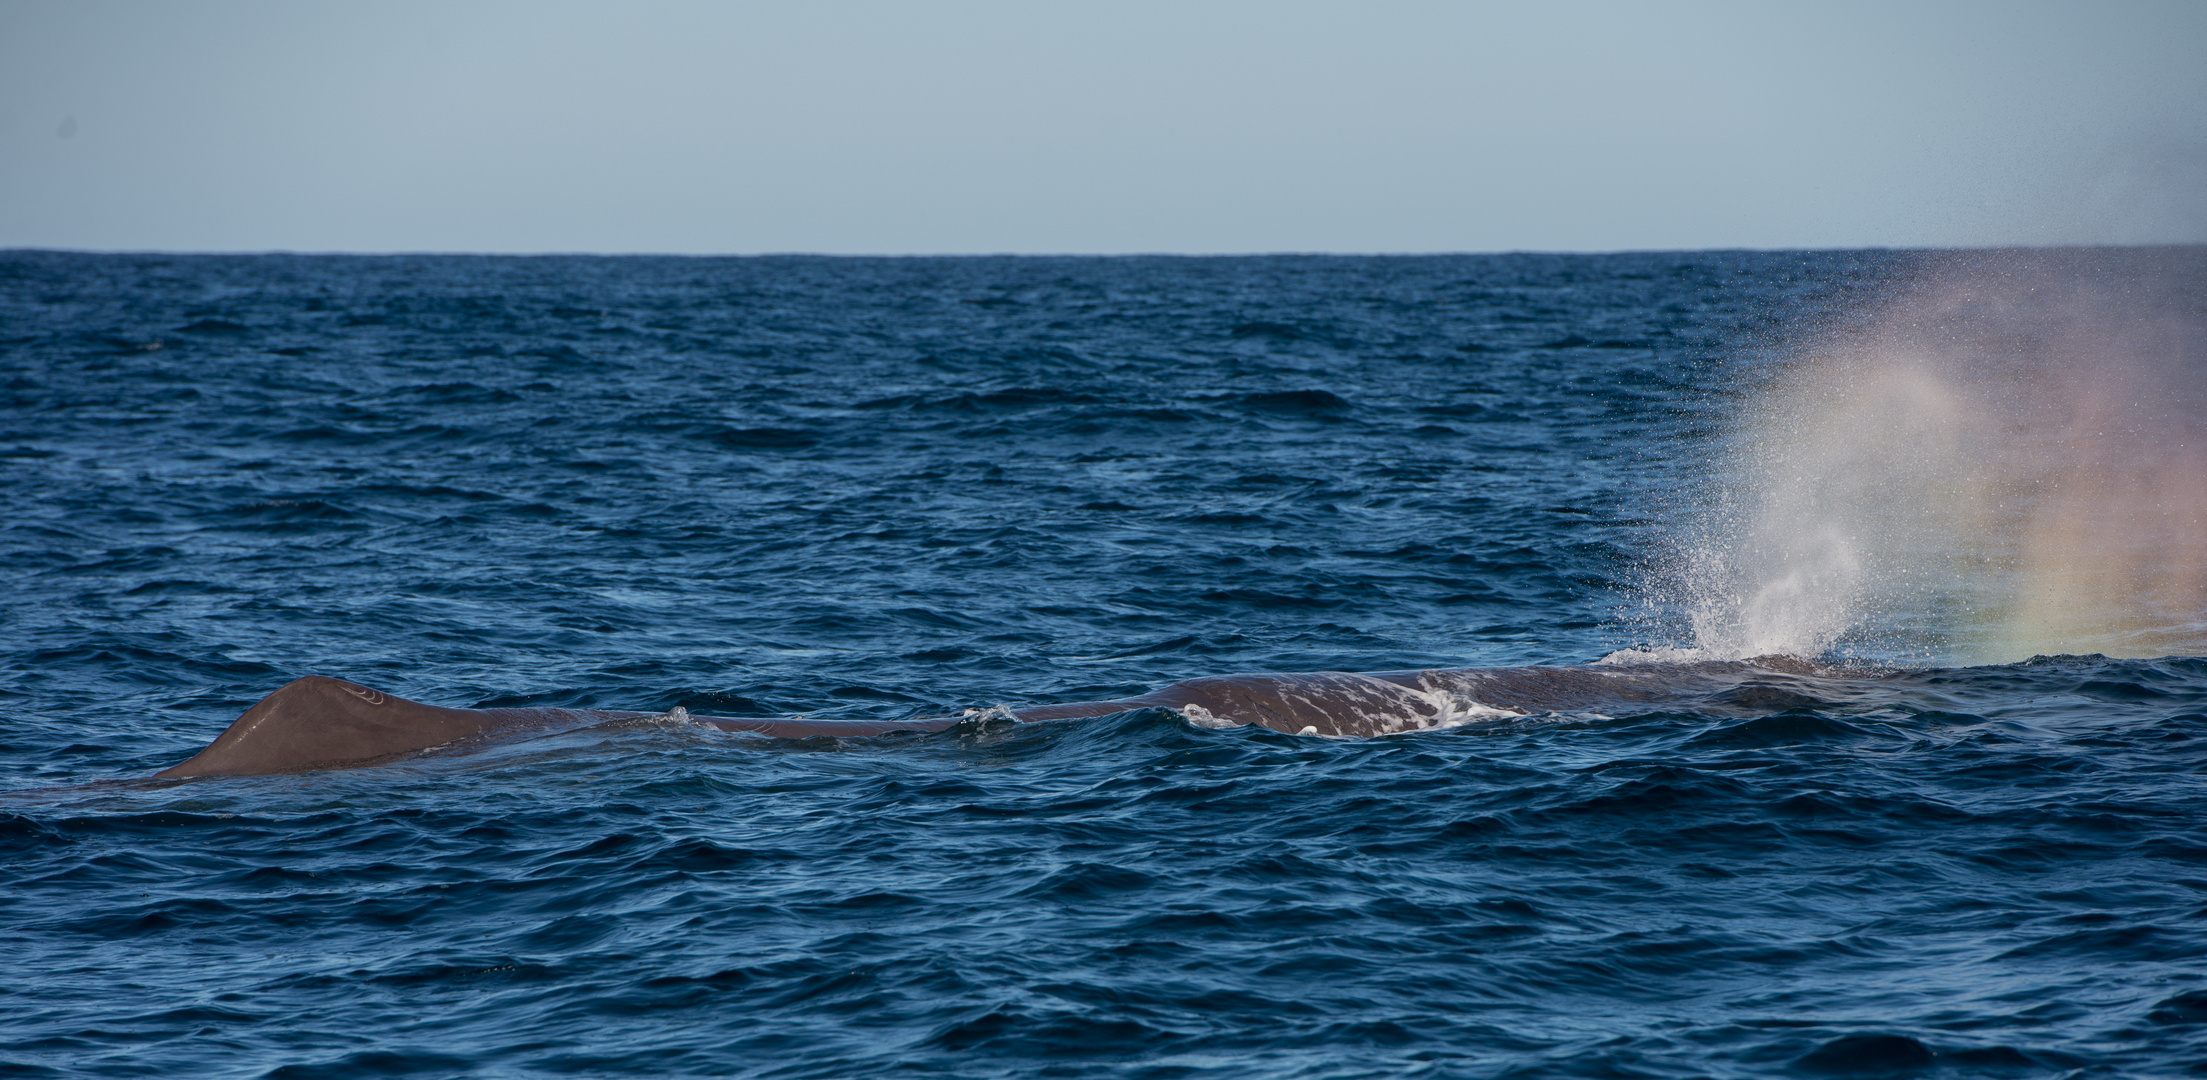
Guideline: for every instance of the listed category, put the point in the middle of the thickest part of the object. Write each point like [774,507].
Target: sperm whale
[317,722]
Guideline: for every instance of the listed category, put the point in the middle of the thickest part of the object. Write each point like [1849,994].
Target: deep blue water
[906,487]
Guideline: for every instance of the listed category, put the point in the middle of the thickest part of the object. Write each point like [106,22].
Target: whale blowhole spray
[2009,458]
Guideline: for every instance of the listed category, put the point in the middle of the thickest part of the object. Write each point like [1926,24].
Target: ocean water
[1955,825]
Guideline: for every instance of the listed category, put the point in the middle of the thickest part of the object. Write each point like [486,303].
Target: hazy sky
[1105,127]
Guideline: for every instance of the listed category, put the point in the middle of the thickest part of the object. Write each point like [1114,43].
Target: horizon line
[1283,254]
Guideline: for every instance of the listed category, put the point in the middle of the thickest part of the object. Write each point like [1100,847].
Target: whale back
[317,723]
[1338,703]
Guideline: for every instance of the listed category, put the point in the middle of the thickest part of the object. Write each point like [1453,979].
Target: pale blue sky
[1040,127]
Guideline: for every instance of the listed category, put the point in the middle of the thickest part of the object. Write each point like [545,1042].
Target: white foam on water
[1454,710]
[1658,654]
[1202,718]
[1443,710]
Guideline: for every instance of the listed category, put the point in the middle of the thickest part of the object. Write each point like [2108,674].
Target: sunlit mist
[2010,460]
